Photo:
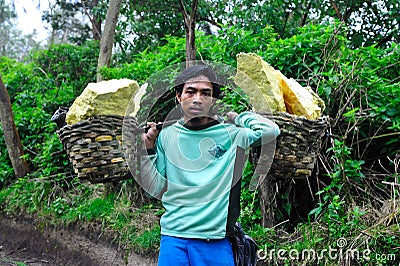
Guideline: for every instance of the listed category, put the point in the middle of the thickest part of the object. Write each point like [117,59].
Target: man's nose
[197,98]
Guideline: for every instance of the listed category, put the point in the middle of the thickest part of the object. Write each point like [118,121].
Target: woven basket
[94,147]
[295,158]
[297,146]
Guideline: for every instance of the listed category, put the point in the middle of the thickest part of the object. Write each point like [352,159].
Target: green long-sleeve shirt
[195,173]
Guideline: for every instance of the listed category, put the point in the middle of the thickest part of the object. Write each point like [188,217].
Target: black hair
[195,71]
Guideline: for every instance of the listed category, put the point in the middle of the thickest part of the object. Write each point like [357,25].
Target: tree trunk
[11,136]
[190,26]
[190,45]
[107,40]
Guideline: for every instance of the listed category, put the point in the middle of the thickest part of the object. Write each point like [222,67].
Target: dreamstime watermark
[340,252]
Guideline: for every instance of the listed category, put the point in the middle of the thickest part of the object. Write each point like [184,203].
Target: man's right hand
[231,116]
[149,137]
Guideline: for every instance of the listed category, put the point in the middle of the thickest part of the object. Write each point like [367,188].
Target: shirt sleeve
[258,130]
[153,171]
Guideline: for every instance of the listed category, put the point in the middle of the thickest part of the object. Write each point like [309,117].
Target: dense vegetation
[357,200]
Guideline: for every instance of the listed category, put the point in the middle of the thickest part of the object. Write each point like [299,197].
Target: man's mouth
[196,109]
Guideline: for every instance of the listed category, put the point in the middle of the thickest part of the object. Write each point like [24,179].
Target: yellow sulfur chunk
[269,90]
[260,82]
[299,100]
[109,97]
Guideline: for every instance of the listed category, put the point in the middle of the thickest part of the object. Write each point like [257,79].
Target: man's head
[195,71]
[196,91]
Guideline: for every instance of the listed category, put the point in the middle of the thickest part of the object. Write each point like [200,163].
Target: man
[194,166]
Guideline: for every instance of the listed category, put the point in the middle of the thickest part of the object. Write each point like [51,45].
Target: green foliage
[148,63]
[141,24]
[67,69]
[285,18]
[368,86]
[12,262]
[148,241]
[94,209]
[233,100]
[232,41]
[340,215]
[250,215]
[336,195]
[379,68]
[54,78]
[306,55]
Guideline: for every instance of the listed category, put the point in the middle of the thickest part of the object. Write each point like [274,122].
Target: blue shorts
[175,251]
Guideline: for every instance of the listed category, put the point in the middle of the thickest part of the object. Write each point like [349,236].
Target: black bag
[244,247]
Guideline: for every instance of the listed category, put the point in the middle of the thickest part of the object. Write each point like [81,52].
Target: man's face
[196,98]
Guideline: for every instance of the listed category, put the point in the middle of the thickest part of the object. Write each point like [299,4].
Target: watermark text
[340,252]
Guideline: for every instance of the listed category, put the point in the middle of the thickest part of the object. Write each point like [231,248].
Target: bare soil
[32,243]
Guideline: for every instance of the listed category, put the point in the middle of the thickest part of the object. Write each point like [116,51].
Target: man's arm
[152,164]
[260,130]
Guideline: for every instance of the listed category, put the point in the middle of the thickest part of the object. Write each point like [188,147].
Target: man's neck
[200,122]
[197,121]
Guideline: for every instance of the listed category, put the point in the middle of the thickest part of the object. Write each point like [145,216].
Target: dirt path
[32,244]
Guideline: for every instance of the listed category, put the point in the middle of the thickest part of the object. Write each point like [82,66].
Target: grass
[131,219]
[13,262]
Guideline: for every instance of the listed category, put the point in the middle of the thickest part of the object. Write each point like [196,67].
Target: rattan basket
[94,147]
[297,146]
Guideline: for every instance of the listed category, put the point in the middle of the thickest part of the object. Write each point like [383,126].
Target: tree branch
[184,14]
[305,15]
[195,4]
[337,11]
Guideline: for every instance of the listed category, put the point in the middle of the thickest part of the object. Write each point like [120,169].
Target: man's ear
[178,96]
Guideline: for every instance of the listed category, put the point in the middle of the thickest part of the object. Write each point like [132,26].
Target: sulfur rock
[260,82]
[134,104]
[299,100]
[109,97]
[269,90]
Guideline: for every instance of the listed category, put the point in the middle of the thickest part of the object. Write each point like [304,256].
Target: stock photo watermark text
[340,252]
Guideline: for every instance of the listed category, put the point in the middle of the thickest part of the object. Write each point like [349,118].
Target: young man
[194,166]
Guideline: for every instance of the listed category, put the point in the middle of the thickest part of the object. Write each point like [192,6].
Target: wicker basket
[297,146]
[94,147]
[295,158]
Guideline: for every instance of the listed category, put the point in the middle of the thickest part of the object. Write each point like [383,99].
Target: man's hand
[149,137]
[231,116]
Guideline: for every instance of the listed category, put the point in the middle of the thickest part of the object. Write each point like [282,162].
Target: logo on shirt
[217,150]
